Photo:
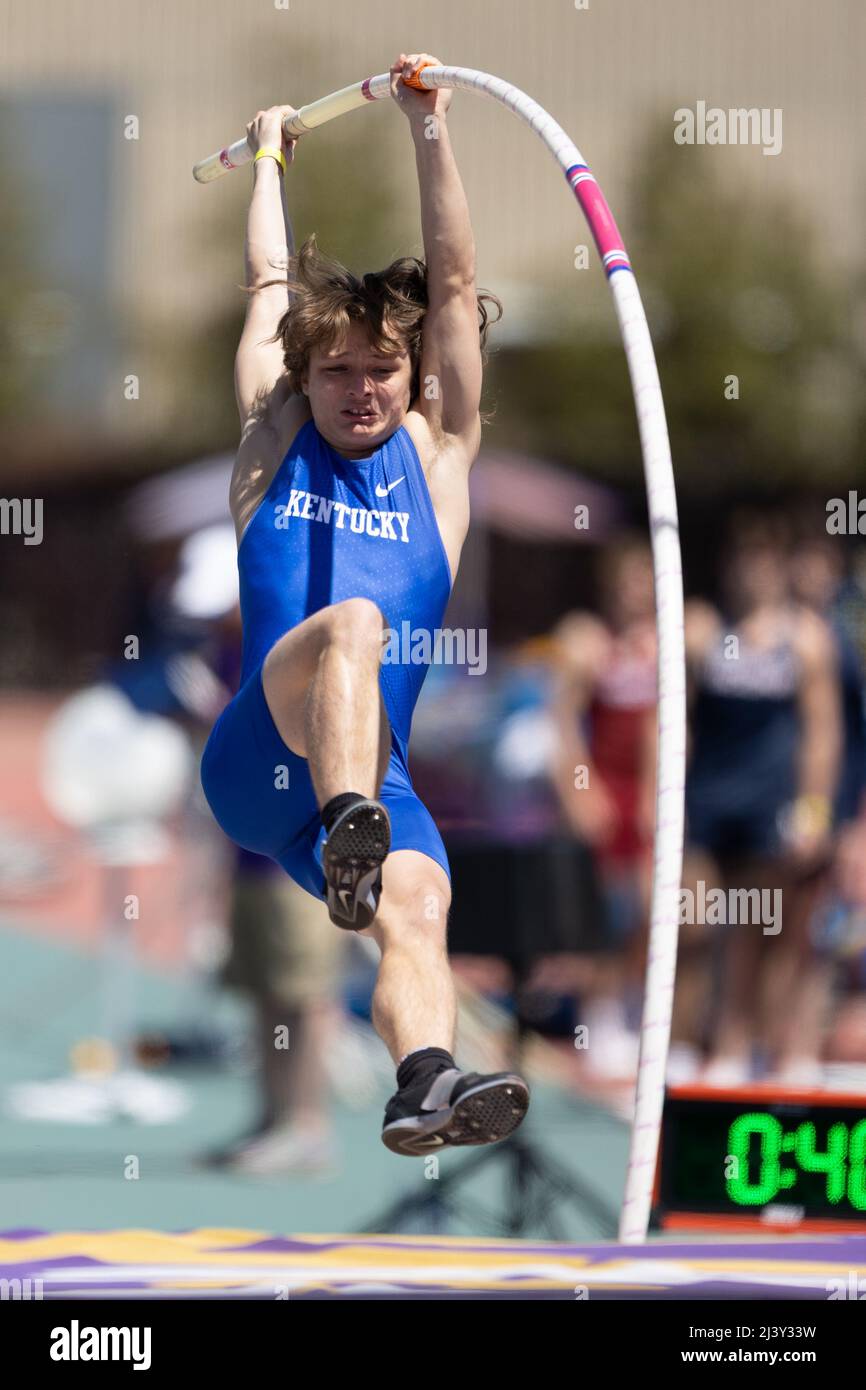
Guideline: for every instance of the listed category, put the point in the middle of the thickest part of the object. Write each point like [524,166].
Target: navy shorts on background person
[725,833]
[243,781]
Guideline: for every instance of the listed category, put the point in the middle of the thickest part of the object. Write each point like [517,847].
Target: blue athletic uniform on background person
[852,780]
[327,529]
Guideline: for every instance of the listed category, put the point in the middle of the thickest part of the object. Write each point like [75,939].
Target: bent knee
[355,620]
[414,907]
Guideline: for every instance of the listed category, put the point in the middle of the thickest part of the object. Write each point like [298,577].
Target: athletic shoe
[726,1071]
[223,1155]
[352,858]
[805,1072]
[684,1064]
[283,1149]
[453,1107]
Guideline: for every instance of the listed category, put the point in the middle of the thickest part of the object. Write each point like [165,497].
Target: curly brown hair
[326,298]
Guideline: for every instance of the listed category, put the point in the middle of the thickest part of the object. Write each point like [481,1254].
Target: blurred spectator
[817,577]
[843,930]
[820,583]
[766,741]
[286,957]
[283,951]
[183,621]
[605,710]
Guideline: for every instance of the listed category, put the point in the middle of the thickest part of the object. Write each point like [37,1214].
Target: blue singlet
[328,529]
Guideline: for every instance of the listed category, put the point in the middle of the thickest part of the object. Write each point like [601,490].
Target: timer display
[737,1155]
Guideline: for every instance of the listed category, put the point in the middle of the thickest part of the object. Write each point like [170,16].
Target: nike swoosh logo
[431,1141]
[345,895]
[383,491]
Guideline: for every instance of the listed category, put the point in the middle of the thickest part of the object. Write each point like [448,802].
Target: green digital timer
[735,1156]
[760,1177]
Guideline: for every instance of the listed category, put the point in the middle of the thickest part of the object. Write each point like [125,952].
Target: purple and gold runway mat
[235,1264]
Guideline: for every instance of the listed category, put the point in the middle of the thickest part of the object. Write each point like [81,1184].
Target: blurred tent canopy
[521,562]
[513,494]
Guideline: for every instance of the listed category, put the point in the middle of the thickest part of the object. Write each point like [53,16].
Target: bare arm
[821,724]
[268,244]
[451,351]
[583,648]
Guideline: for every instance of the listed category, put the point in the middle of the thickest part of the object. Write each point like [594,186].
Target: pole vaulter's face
[358,396]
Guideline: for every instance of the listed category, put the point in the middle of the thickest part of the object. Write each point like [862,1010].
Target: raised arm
[451,351]
[268,245]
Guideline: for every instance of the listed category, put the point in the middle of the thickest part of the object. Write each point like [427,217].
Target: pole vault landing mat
[236,1264]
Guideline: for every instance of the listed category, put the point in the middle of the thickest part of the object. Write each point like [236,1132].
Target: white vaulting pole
[664,529]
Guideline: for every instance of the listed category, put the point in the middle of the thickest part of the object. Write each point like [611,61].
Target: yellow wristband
[812,813]
[270,151]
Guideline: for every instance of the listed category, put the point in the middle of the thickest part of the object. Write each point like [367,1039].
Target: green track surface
[61,1177]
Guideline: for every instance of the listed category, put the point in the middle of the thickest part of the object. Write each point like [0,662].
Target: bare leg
[293,1079]
[744,962]
[736,1026]
[797,981]
[414,1007]
[802,1027]
[690,994]
[414,1002]
[693,974]
[321,682]
[311,1082]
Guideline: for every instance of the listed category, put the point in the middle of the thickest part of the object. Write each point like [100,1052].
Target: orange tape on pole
[413,80]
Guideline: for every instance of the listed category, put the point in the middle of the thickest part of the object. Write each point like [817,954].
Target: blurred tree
[733,287]
[19,294]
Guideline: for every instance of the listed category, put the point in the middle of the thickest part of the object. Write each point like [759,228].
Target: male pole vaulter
[359,403]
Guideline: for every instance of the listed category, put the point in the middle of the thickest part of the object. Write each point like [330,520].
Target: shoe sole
[483,1114]
[352,858]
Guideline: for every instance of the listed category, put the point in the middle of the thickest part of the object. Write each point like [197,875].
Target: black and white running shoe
[352,858]
[454,1107]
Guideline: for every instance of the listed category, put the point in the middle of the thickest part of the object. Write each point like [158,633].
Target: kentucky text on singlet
[331,528]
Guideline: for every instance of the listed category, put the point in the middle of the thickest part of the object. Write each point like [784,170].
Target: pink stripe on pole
[365,88]
[225,161]
[600,219]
